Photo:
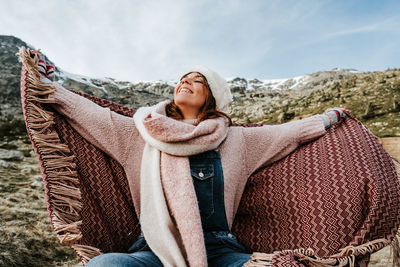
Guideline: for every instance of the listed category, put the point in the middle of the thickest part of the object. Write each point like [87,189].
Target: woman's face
[191,92]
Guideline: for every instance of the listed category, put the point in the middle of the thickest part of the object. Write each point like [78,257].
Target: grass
[26,235]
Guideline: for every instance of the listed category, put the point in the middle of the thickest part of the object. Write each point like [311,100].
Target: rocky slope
[373,97]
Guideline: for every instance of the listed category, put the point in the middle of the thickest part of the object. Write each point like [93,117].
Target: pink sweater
[245,149]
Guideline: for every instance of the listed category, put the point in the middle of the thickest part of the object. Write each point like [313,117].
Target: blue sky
[151,40]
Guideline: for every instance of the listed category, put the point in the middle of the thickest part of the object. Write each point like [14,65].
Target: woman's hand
[46,70]
[46,75]
[334,115]
[341,111]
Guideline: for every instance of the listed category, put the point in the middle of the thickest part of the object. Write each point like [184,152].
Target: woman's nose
[185,80]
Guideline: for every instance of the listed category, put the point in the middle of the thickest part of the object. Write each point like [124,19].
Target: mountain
[373,97]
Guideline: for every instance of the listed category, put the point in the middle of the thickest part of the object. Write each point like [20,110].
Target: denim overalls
[221,245]
[208,179]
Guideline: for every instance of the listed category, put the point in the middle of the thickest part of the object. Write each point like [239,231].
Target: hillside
[373,97]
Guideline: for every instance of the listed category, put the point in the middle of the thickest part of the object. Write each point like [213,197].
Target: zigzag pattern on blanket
[109,221]
[340,189]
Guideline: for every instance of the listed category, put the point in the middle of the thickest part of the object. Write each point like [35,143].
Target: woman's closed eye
[197,80]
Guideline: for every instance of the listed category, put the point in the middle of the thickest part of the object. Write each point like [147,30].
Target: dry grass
[382,258]
[392,146]
[26,236]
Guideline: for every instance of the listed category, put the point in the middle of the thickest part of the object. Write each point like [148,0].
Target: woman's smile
[185,90]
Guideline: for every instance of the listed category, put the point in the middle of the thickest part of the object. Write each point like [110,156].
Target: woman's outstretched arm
[113,133]
[270,143]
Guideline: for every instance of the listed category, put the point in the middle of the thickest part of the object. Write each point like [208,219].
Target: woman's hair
[207,111]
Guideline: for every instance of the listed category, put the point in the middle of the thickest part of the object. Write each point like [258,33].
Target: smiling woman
[193,98]
[191,92]
[187,169]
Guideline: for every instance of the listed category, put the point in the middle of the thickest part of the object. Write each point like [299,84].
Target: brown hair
[207,111]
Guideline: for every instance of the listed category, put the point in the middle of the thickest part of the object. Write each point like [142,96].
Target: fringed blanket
[332,202]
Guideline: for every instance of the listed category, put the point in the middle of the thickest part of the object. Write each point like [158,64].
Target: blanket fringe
[59,171]
[259,259]
[346,256]
[86,252]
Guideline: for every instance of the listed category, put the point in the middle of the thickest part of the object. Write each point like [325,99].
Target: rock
[369,111]
[37,184]
[7,145]
[280,117]
[37,178]
[11,155]
[26,152]
[4,164]
[27,170]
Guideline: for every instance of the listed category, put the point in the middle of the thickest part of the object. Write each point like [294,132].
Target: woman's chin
[182,99]
[183,102]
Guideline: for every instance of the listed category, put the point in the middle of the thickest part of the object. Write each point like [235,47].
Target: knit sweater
[244,150]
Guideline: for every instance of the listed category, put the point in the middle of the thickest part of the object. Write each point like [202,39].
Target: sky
[158,40]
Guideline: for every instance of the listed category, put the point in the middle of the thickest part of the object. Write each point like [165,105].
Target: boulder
[4,164]
[14,155]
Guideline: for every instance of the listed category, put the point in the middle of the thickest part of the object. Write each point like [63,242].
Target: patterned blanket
[332,202]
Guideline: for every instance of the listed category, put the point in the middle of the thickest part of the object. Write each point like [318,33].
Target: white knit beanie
[218,85]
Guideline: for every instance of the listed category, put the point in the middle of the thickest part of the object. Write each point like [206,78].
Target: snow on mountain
[64,75]
[295,83]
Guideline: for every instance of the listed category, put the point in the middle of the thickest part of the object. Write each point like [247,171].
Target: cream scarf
[169,213]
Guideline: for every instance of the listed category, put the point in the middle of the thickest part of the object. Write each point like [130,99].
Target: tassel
[59,170]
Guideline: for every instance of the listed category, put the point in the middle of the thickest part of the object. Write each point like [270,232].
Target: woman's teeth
[184,90]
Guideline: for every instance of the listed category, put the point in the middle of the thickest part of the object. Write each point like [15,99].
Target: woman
[187,167]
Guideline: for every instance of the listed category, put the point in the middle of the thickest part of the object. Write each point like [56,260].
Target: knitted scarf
[166,186]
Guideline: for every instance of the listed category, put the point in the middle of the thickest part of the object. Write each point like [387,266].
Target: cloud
[388,25]
[148,39]
[122,39]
